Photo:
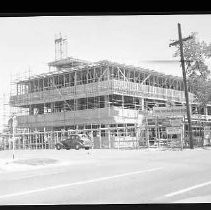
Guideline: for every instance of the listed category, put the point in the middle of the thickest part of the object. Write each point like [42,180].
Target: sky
[27,43]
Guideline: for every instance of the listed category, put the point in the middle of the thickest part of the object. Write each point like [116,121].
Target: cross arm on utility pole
[178,42]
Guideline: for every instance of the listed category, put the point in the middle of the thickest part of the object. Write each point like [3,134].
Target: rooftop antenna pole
[55,47]
[60,47]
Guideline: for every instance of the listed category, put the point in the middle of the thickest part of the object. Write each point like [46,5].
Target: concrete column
[118,137]
[30,146]
[109,137]
[142,104]
[137,135]
[205,110]
[92,137]
[100,138]
[17,93]
[36,139]
[38,88]
[44,138]
[24,141]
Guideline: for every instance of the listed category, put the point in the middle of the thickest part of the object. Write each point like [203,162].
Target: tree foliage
[201,89]
[196,54]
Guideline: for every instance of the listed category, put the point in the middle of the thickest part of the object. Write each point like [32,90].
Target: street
[106,177]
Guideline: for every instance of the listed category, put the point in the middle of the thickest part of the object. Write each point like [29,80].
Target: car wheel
[58,146]
[86,148]
[77,147]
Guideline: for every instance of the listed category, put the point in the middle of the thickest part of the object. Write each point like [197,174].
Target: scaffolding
[5,111]
[77,93]
[107,100]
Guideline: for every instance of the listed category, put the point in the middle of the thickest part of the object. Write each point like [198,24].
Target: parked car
[75,141]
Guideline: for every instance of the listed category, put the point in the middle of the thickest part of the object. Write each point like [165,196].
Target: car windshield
[83,136]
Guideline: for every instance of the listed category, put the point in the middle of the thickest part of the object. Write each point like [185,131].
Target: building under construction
[108,101]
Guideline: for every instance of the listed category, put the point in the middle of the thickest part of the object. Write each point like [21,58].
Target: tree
[196,54]
[202,90]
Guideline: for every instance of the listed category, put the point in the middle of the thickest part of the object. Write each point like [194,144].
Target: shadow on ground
[36,161]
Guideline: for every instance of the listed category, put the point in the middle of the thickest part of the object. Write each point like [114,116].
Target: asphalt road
[107,177]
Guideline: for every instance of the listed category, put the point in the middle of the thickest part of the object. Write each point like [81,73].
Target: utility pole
[180,42]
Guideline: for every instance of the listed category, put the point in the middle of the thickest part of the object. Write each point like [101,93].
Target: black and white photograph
[105,109]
